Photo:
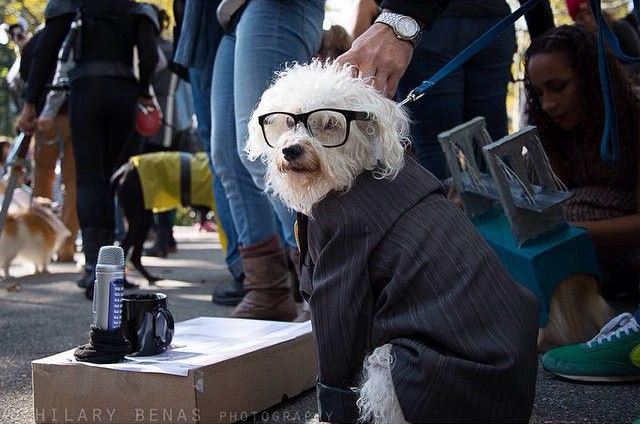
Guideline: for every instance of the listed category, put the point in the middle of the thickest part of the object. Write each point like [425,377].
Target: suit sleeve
[147,43]
[341,310]
[45,55]
[463,333]
[425,12]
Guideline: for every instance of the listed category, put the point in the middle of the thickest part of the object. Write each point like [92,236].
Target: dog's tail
[118,176]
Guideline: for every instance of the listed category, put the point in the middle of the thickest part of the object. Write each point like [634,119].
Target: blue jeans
[267,35]
[201,89]
[477,88]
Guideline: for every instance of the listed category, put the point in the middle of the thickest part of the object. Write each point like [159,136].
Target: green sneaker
[609,356]
[635,357]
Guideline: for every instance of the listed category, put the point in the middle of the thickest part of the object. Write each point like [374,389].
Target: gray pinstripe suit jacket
[395,262]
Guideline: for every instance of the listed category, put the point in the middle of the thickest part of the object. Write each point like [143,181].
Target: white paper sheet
[201,341]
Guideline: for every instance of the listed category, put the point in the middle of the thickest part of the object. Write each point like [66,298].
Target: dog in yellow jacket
[157,182]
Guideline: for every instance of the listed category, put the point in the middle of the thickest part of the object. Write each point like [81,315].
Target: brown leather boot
[266,283]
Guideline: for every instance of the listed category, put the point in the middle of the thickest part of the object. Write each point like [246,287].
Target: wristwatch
[405,27]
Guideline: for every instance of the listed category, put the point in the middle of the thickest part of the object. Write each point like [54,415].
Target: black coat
[394,261]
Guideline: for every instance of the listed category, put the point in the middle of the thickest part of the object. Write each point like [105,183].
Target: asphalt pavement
[49,314]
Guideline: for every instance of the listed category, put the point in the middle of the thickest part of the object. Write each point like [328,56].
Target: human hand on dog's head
[317,128]
[380,56]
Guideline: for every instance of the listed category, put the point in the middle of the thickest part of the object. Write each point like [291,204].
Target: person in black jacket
[102,101]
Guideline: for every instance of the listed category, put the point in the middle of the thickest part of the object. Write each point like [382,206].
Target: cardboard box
[253,365]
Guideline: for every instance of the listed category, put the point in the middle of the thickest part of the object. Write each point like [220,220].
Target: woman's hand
[150,103]
[27,120]
[147,101]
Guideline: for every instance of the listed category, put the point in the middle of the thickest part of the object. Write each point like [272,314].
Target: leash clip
[411,97]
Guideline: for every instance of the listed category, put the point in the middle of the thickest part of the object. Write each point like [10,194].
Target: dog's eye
[330,124]
[291,123]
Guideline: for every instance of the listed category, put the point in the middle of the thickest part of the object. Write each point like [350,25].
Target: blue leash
[482,42]
[609,147]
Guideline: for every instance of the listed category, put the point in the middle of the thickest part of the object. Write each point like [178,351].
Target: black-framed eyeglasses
[329,126]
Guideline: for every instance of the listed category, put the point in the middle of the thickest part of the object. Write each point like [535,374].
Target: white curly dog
[406,298]
[306,162]
[301,170]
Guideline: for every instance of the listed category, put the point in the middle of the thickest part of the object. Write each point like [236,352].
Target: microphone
[109,287]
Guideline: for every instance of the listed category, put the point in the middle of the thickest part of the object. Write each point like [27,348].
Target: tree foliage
[31,10]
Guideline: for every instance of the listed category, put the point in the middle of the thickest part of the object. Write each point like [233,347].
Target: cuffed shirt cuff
[336,404]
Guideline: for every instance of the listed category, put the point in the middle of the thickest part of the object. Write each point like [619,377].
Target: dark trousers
[477,88]
[102,113]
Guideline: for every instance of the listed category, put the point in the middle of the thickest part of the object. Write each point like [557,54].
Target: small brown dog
[576,313]
[34,234]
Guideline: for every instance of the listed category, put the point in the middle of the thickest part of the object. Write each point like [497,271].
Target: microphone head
[111,255]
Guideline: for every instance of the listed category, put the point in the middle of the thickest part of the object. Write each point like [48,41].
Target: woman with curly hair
[566,104]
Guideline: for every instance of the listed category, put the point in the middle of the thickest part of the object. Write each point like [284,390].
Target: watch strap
[392,19]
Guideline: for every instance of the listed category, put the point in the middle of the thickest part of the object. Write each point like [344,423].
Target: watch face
[407,27]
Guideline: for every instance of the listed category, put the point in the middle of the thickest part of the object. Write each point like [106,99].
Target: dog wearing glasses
[413,315]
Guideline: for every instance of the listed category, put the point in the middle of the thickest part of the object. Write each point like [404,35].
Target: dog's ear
[391,124]
[256,145]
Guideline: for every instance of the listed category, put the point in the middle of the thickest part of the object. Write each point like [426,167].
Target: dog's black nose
[292,152]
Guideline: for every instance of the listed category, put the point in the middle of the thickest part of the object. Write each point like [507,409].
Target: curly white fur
[378,402]
[376,145]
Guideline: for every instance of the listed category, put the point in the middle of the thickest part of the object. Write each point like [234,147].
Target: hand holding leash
[28,119]
[379,55]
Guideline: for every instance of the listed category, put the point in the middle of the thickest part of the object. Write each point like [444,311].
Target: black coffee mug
[147,323]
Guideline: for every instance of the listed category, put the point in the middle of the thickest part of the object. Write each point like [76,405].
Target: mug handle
[168,336]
